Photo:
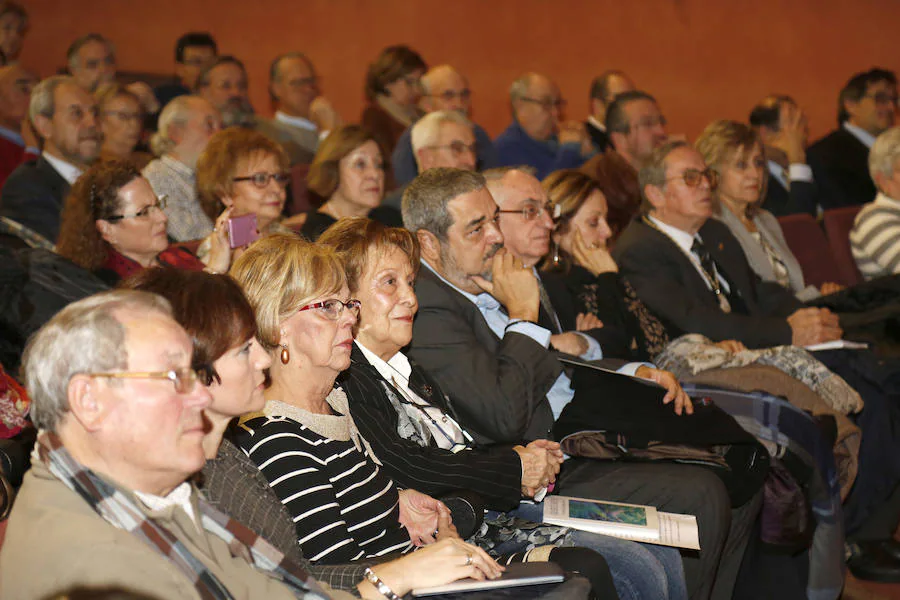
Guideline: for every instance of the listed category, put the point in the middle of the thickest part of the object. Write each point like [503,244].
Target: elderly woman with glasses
[408,422]
[113,224]
[121,119]
[348,173]
[240,172]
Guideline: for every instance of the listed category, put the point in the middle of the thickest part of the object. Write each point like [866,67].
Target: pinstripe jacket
[494,473]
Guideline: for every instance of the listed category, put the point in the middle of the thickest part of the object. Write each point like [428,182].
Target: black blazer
[840,165]
[498,386]
[600,138]
[669,284]
[494,473]
[802,198]
[33,196]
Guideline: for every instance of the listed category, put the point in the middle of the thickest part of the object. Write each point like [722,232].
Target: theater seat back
[808,243]
[838,222]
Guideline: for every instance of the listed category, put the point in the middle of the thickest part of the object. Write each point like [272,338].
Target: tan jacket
[55,541]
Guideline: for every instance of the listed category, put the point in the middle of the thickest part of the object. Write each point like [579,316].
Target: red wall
[703,59]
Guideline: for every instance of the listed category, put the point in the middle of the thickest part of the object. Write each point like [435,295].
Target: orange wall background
[702,59]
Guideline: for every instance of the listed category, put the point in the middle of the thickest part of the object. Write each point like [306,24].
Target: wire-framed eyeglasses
[183,379]
[334,308]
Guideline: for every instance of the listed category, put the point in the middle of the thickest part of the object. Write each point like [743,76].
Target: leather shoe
[875,561]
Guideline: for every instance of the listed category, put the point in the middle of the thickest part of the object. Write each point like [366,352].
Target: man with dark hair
[13,25]
[194,51]
[635,126]
[784,133]
[536,136]
[302,115]
[839,160]
[604,90]
[224,84]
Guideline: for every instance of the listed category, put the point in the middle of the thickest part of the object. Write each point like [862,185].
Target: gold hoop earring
[285,354]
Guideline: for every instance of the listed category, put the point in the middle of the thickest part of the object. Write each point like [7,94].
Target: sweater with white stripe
[343,506]
[875,238]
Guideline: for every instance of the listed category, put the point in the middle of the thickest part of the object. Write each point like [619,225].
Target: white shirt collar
[861,134]
[596,123]
[885,200]
[397,365]
[180,496]
[682,238]
[295,121]
[777,173]
[67,171]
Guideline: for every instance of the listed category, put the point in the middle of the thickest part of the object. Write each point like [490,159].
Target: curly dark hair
[94,196]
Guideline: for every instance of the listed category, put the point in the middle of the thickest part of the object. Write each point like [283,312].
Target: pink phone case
[242,230]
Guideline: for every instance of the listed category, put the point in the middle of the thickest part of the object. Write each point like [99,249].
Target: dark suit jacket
[498,386]
[33,196]
[840,165]
[600,138]
[494,473]
[669,284]
[802,198]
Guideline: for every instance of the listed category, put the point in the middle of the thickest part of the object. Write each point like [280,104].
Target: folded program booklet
[627,521]
[516,575]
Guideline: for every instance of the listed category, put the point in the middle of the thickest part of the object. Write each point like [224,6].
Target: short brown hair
[619,183]
[722,140]
[14,8]
[95,196]
[357,240]
[324,174]
[654,170]
[109,91]
[391,64]
[210,307]
[218,163]
[567,190]
[281,272]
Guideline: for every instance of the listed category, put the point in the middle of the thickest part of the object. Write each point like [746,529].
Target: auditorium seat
[838,222]
[808,243]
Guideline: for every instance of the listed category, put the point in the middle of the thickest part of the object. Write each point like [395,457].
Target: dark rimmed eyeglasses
[183,379]
[546,103]
[334,308]
[144,213]
[693,177]
[451,95]
[456,147]
[530,211]
[261,180]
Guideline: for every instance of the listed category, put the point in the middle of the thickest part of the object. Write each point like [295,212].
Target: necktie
[548,307]
[709,267]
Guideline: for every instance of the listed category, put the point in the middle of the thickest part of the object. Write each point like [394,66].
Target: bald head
[16,83]
[446,89]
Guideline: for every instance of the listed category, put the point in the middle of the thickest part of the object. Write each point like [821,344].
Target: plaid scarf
[121,511]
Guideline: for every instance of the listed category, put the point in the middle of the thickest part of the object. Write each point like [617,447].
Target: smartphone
[242,230]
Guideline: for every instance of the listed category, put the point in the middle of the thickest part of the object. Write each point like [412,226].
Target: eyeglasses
[530,212]
[693,177]
[123,115]
[303,82]
[648,122]
[457,147]
[334,308]
[546,103]
[450,95]
[883,98]
[183,379]
[261,180]
[159,205]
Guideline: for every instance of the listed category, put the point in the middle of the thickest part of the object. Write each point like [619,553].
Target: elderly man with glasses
[690,270]
[120,416]
[537,137]
[443,89]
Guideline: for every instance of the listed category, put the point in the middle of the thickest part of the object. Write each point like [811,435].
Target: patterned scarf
[121,511]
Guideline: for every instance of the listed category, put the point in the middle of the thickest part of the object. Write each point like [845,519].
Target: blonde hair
[723,140]
[281,273]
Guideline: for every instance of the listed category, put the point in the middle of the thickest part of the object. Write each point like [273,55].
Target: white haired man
[443,138]
[185,126]
[537,137]
[443,89]
[875,238]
